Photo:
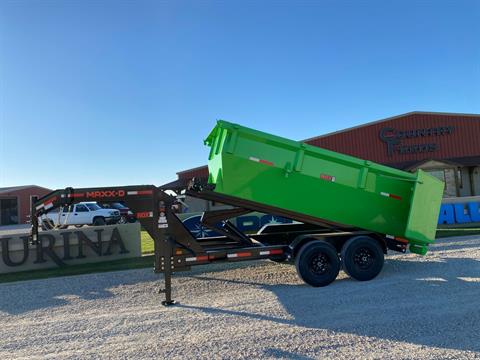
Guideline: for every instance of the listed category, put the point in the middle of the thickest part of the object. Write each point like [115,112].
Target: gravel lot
[419,307]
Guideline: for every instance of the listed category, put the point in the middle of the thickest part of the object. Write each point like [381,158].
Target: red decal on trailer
[49,201]
[327,177]
[76,195]
[105,193]
[144,214]
[202,258]
[262,161]
[266,162]
[140,192]
[391,195]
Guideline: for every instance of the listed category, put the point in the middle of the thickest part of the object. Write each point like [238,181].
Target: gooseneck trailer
[349,212]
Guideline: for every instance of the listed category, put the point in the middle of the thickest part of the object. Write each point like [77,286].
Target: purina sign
[69,247]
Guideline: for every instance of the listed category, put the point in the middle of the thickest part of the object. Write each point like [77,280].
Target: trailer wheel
[362,258]
[317,263]
[99,221]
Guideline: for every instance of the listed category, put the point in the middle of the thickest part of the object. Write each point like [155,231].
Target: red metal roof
[13,189]
[422,135]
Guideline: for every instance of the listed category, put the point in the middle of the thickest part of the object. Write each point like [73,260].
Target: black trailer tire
[99,221]
[317,263]
[362,258]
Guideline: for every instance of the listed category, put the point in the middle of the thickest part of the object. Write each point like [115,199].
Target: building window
[448,176]
[8,211]
[439,174]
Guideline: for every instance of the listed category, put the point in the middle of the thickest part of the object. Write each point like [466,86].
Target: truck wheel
[317,263]
[99,221]
[362,258]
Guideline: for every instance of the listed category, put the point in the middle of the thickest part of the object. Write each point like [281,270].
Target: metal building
[15,203]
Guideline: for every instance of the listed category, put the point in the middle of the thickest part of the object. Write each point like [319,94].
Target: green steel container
[306,179]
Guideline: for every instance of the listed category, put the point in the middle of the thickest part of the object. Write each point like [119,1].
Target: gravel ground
[419,307]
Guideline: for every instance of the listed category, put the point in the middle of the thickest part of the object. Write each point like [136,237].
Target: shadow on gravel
[22,297]
[455,244]
[282,354]
[419,302]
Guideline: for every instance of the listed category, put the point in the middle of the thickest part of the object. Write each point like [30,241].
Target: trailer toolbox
[337,188]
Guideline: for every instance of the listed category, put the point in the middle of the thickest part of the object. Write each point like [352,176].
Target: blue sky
[123,92]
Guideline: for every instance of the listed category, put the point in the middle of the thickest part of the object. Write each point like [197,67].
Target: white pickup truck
[84,213]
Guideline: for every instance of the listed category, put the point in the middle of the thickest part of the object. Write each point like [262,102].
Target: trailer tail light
[239,255]
[272,252]
[261,161]
[197,258]
[391,195]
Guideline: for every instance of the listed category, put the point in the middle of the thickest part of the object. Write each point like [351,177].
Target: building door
[8,211]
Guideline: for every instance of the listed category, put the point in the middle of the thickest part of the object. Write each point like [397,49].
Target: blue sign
[459,213]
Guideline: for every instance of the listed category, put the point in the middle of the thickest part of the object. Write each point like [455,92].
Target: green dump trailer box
[310,181]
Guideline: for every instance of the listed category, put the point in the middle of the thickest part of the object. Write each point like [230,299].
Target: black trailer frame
[176,249]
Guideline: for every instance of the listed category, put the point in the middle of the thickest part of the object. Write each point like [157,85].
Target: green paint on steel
[298,177]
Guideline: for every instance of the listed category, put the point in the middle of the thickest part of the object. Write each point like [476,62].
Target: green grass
[448,232]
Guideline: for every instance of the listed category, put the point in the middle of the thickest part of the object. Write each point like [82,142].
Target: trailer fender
[301,240]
